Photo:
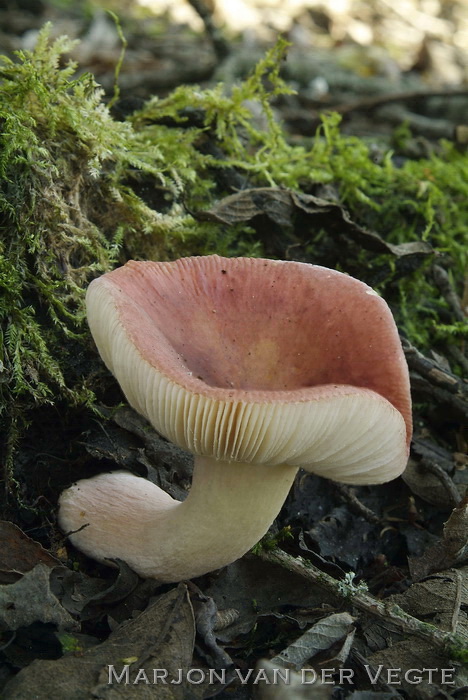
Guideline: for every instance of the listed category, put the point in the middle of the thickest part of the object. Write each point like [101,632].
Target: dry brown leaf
[450,550]
[320,637]
[31,600]
[280,205]
[19,553]
[441,599]
[161,637]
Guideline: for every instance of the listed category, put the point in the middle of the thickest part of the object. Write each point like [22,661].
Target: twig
[431,379]
[442,281]
[220,44]
[432,371]
[118,65]
[452,645]
[380,100]
[429,127]
[446,481]
[459,357]
[355,504]
[457,602]
[425,388]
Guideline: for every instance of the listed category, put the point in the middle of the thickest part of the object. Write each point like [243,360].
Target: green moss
[269,542]
[70,644]
[459,653]
[52,147]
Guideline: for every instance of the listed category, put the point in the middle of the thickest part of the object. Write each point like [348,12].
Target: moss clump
[65,213]
[50,156]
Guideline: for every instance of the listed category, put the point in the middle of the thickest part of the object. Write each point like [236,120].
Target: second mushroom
[259,368]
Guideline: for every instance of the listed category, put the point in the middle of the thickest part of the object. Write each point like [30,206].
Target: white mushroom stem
[228,510]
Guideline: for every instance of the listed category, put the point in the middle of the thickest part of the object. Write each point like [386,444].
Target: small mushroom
[257,367]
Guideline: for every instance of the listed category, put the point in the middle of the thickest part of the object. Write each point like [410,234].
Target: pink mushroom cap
[233,333]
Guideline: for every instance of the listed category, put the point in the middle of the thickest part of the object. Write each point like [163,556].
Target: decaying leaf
[414,667]
[450,550]
[281,204]
[19,553]
[205,611]
[253,588]
[84,596]
[161,637]
[342,536]
[320,637]
[273,202]
[441,599]
[285,676]
[427,485]
[31,600]
[161,458]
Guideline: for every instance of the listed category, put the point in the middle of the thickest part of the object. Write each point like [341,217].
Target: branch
[377,101]
[218,40]
[452,645]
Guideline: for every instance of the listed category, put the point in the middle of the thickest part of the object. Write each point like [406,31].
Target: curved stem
[229,508]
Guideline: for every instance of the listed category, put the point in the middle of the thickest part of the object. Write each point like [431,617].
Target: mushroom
[257,367]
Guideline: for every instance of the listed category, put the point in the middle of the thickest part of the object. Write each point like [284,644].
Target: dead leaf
[273,202]
[409,663]
[85,597]
[130,442]
[31,600]
[280,205]
[162,459]
[343,537]
[451,549]
[367,239]
[19,553]
[255,588]
[441,599]
[161,637]
[206,618]
[321,636]
[427,485]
